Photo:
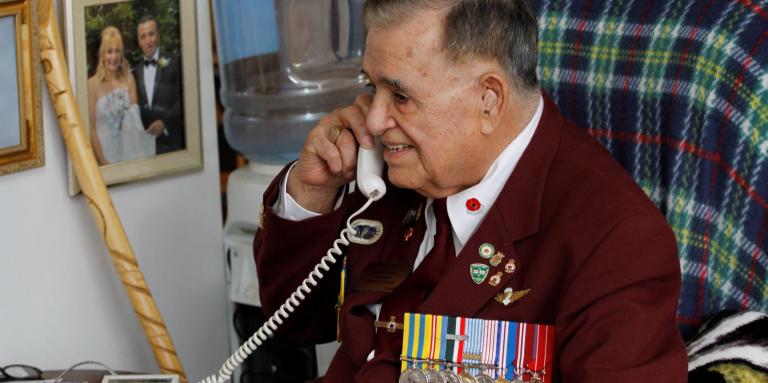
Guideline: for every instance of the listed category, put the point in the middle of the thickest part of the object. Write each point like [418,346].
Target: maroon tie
[439,258]
[407,297]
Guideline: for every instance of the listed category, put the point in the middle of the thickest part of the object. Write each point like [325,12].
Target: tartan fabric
[677,91]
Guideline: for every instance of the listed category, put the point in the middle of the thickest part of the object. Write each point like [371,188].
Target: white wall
[60,299]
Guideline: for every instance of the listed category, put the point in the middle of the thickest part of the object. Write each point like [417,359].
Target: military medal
[523,349]
[454,336]
[433,345]
[449,377]
[412,375]
[543,346]
[473,351]
[496,259]
[489,334]
[486,250]
[439,348]
[433,376]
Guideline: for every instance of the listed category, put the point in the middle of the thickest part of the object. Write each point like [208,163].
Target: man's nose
[379,118]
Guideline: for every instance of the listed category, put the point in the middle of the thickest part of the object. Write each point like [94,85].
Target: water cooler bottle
[283,64]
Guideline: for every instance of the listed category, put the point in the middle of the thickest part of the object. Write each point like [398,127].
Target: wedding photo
[132,86]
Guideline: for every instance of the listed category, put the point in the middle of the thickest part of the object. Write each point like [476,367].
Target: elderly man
[497,208]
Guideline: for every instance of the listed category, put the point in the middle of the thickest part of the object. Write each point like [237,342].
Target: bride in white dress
[117,133]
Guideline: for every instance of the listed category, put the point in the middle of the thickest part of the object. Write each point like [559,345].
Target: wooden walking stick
[95,192]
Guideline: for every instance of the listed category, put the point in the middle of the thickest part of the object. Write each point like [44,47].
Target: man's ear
[493,101]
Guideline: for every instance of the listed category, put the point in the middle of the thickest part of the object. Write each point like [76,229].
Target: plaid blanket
[677,91]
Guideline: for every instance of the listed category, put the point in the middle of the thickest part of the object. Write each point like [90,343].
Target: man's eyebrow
[396,85]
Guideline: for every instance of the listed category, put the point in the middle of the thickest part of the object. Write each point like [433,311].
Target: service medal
[413,375]
[466,378]
[449,376]
[433,376]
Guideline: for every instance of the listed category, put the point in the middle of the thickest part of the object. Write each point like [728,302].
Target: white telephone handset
[370,166]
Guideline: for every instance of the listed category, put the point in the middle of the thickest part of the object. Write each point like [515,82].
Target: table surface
[78,375]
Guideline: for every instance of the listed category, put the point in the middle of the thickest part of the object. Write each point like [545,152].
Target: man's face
[425,108]
[148,38]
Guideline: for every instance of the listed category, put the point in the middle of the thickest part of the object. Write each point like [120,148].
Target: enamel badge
[473,206]
[412,216]
[478,272]
[510,296]
[495,280]
[486,250]
[510,267]
[366,231]
[496,259]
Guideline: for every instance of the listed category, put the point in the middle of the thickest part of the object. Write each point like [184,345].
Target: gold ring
[333,132]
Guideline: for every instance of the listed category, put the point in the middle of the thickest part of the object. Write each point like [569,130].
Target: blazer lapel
[514,216]
[158,74]
[357,331]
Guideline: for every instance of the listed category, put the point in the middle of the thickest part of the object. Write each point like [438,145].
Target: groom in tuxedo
[158,81]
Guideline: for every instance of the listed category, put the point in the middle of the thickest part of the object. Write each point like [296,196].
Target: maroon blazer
[599,258]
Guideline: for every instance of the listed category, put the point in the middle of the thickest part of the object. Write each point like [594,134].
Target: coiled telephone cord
[266,330]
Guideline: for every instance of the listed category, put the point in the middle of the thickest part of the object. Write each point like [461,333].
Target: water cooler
[283,65]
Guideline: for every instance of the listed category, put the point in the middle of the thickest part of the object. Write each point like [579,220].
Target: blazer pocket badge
[510,296]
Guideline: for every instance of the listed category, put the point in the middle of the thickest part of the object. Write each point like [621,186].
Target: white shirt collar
[155,55]
[464,221]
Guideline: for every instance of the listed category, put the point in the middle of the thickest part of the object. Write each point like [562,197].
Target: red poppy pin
[473,206]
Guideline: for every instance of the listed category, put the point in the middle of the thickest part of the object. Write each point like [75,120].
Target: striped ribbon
[493,347]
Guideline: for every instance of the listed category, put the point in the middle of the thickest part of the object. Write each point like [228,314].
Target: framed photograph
[140,379]
[21,133]
[133,65]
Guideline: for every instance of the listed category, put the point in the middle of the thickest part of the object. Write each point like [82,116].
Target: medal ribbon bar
[484,349]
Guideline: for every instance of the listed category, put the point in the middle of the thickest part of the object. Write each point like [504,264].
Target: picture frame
[21,137]
[170,378]
[173,100]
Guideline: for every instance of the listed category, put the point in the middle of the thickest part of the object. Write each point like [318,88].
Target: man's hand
[156,128]
[324,166]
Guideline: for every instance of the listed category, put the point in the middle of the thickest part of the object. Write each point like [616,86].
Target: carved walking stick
[95,192]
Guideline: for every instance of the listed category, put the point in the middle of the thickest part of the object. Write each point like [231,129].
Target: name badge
[382,277]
